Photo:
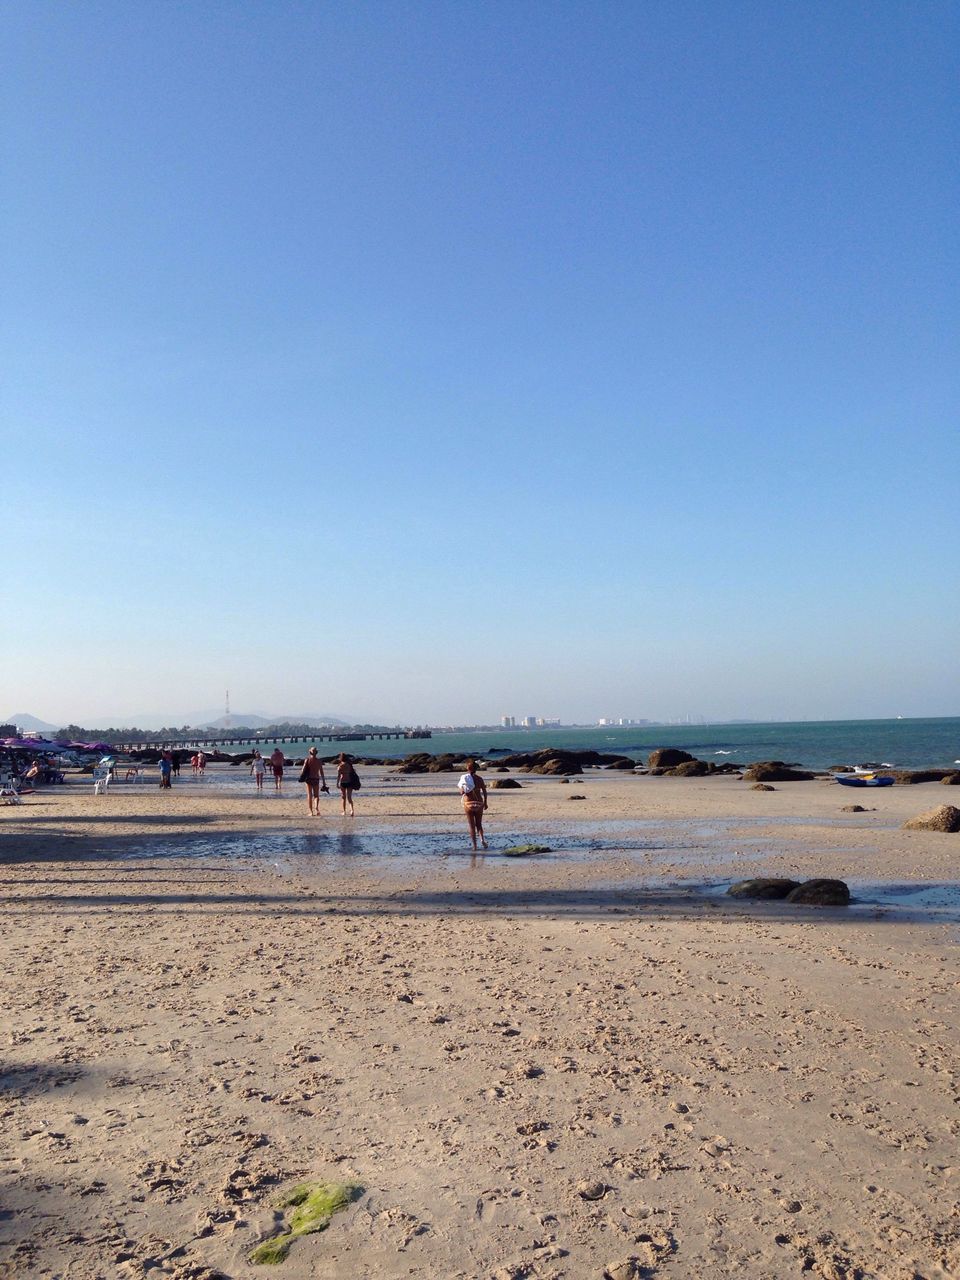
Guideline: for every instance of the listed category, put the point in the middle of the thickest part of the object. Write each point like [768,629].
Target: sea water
[902,744]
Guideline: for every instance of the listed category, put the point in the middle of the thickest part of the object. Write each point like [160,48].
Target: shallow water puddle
[904,903]
[918,903]
[645,842]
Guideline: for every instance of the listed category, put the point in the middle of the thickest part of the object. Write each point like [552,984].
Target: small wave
[723,753]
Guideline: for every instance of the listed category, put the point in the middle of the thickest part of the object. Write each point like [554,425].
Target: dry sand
[208,995]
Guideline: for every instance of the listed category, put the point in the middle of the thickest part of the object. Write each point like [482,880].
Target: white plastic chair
[8,790]
[101,779]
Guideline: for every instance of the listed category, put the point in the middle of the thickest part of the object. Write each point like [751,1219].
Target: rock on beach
[765,889]
[667,758]
[775,771]
[945,817]
[820,893]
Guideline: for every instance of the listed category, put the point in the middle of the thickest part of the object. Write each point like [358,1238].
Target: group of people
[314,778]
[258,768]
[169,764]
[471,786]
[38,772]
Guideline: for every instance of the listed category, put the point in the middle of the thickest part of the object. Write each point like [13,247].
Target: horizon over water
[906,744]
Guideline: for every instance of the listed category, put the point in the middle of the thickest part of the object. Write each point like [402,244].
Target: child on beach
[473,791]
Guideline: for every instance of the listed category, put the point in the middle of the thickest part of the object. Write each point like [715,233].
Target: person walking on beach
[175,763]
[348,782]
[194,763]
[312,774]
[473,792]
[166,769]
[258,768]
[201,763]
[277,762]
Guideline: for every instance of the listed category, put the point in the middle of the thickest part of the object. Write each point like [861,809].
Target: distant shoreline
[812,745]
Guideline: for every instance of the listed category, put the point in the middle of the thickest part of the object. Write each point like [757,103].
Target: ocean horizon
[811,744]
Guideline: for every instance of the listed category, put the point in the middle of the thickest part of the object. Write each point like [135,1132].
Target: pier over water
[218,740]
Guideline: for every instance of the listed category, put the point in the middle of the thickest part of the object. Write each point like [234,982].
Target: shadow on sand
[660,901]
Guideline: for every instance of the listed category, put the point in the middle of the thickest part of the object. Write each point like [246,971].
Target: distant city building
[545,722]
[530,722]
[508,722]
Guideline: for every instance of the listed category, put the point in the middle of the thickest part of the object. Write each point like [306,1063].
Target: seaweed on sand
[313,1205]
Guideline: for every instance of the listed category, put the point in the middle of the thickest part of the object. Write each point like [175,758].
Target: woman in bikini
[473,791]
[347,782]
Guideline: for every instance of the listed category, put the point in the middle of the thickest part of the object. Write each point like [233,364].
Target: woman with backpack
[473,794]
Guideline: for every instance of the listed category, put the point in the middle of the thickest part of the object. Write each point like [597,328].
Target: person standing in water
[277,762]
[166,768]
[258,769]
[347,781]
[312,774]
[473,792]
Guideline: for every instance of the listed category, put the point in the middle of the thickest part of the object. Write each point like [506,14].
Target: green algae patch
[313,1204]
[522,850]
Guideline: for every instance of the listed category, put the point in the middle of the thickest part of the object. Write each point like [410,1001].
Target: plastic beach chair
[9,792]
[101,779]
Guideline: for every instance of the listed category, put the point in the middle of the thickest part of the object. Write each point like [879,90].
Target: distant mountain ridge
[30,723]
[246,720]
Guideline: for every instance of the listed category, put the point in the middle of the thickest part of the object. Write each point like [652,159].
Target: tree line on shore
[77,733]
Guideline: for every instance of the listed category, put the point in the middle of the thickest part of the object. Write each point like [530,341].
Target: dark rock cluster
[670,762]
[556,761]
[775,771]
[810,893]
[908,777]
[424,762]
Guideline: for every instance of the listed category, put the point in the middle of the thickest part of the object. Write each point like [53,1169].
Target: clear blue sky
[436,361]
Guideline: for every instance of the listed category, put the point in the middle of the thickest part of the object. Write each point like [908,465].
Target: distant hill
[31,723]
[248,721]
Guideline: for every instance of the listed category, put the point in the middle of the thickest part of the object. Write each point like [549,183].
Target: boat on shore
[865,779]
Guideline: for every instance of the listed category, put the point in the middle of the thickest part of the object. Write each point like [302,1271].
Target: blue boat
[865,779]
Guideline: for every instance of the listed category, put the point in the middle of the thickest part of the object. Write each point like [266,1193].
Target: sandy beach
[583,1063]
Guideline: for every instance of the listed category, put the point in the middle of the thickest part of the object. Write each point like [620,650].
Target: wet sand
[208,995]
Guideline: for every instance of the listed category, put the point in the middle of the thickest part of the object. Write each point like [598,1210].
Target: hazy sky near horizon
[430,362]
